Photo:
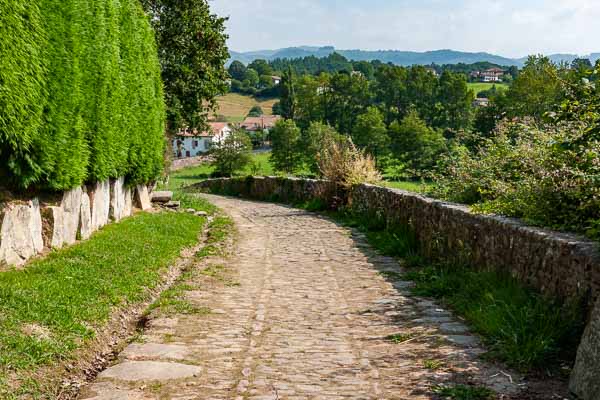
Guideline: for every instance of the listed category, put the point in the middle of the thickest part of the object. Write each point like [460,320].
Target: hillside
[397,57]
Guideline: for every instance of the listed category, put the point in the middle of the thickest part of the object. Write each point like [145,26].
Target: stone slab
[143,351]
[142,198]
[21,232]
[117,199]
[85,217]
[162,197]
[71,211]
[100,200]
[134,371]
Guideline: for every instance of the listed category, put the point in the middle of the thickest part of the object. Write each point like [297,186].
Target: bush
[340,161]
[81,94]
[527,171]
[232,154]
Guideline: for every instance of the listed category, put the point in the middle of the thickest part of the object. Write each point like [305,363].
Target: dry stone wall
[27,227]
[557,264]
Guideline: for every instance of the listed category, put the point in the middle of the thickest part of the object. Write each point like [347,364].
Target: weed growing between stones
[519,326]
[433,365]
[463,392]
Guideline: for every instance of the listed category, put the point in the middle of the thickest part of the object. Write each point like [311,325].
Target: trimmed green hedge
[81,97]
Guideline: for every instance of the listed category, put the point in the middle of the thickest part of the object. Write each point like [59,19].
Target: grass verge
[56,305]
[520,327]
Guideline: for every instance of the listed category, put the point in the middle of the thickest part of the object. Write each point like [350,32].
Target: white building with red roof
[191,143]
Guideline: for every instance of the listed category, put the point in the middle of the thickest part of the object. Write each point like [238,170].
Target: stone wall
[29,227]
[560,265]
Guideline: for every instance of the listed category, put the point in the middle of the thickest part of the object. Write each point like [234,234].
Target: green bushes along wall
[80,93]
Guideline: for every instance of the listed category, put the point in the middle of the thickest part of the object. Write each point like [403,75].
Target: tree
[347,97]
[370,132]
[314,139]
[192,51]
[276,109]
[536,90]
[232,154]
[265,82]
[251,78]
[262,67]
[455,99]
[285,139]
[237,71]
[287,102]
[255,111]
[416,144]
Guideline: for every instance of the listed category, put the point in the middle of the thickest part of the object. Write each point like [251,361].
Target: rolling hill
[398,57]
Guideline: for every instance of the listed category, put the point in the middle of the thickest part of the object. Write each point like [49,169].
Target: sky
[512,28]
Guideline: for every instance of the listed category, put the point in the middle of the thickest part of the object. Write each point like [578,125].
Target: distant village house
[276,80]
[489,75]
[191,143]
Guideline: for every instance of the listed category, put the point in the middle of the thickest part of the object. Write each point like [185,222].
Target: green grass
[519,327]
[410,186]
[463,392]
[68,294]
[481,86]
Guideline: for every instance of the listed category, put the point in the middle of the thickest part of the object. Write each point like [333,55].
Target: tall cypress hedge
[80,93]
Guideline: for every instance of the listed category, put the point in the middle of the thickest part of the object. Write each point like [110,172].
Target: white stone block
[21,232]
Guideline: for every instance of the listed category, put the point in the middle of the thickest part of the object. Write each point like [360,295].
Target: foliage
[416,145]
[464,392]
[340,161]
[285,139]
[313,140]
[255,111]
[193,51]
[525,171]
[105,115]
[370,132]
[232,154]
[287,103]
[520,327]
[237,70]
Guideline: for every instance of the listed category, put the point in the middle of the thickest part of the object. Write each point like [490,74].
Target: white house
[191,143]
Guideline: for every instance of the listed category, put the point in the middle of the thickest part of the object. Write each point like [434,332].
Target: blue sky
[508,27]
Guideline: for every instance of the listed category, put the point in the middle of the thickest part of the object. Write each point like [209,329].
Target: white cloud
[508,27]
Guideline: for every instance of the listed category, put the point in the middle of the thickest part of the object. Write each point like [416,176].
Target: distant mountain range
[397,57]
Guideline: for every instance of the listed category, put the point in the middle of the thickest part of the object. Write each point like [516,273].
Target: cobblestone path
[302,309]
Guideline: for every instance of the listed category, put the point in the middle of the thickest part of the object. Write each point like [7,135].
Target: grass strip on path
[51,308]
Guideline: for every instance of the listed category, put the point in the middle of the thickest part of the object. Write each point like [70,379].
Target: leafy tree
[347,96]
[455,100]
[255,111]
[276,109]
[391,92]
[314,138]
[262,67]
[251,78]
[536,90]
[370,132]
[237,71]
[265,81]
[285,140]
[416,144]
[193,51]
[233,154]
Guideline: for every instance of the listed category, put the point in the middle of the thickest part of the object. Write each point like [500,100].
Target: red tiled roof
[214,129]
[264,122]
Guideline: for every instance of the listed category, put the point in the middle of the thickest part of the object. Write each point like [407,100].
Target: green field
[480,86]
[261,166]
[235,107]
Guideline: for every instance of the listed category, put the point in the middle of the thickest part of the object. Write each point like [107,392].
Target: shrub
[232,154]
[285,139]
[81,94]
[340,161]
[526,171]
